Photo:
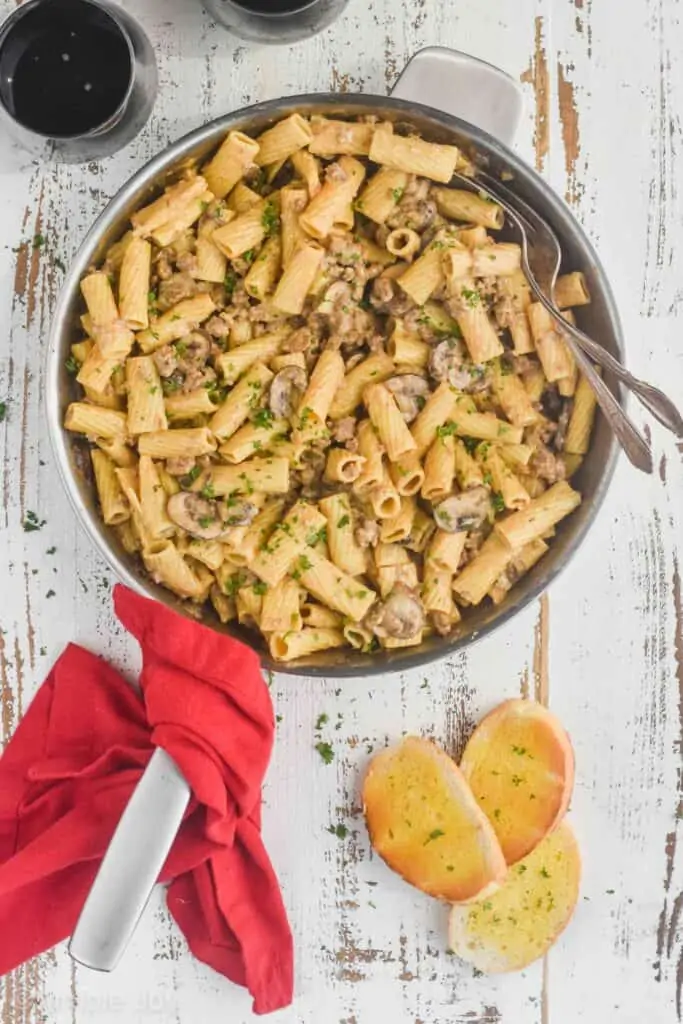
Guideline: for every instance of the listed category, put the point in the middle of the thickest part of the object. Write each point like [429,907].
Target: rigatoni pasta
[318,397]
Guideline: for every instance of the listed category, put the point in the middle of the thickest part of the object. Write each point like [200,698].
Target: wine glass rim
[10,23]
[273,15]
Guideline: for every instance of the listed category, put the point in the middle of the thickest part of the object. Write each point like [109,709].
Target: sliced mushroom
[464,511]
[338,294]
[200,517]
[286,391]
[400,616]
[387,297]
[237,513]
[410,391]
[448,361]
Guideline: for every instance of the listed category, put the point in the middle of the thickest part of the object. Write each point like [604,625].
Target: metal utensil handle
[654,400]
[635,446]
[131,865]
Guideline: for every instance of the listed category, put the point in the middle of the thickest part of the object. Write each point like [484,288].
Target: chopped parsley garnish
[259,588]
[207,490]
[435,834]
[316,537]
[180,348]
[471,297]
[230,282]
[520,751]
[170,386]
[249,255]
[340,831]
[270,219]
[38,241]
[31,522]
[206,521]
[3,411]
[497,502]
[263,418]
[322,719]
[154,388]
[189,478]
[326,751]
[344,521]
[517,780]
[248,486]
[470,444]
[233,583]
[447,333]
[447,430]
[397,194]
[545,873]
[488,479]
[72,365]
[304,563]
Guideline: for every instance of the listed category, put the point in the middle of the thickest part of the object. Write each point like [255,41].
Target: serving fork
[541,260]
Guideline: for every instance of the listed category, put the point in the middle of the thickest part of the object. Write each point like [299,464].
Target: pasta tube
[113,503]
[345,551]
[539,516]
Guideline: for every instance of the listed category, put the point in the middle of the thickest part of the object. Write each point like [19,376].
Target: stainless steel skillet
[437,76]
[447,97]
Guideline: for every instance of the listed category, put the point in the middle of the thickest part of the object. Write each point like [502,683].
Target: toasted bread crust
[519,763]
[517,924]
[425,823]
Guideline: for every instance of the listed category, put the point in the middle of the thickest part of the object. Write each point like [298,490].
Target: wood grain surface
[604,90]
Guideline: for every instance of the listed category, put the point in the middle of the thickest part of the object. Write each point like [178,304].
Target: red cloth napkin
[71,766]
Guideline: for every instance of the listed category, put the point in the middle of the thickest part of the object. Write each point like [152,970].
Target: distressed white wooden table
[604,85]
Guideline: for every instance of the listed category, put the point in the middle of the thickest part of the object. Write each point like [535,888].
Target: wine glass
[78,78]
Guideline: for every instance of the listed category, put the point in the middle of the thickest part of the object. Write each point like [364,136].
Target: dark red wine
[65,69]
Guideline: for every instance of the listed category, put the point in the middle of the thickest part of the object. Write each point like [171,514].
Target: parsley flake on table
[340,830]
[31,522]
[326,751]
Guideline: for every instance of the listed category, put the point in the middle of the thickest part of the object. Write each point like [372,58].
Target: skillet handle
[464,87]
[131,865]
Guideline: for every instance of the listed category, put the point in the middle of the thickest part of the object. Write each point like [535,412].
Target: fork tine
[506,199]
